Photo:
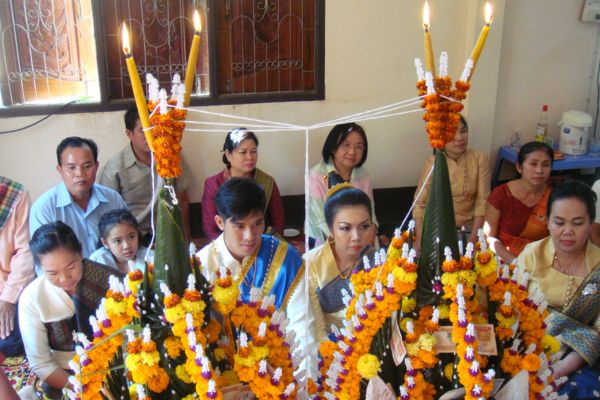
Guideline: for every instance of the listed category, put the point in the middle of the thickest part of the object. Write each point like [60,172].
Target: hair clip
[336,188]
[237,135]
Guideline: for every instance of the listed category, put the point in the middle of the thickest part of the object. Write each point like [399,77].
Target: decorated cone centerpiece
[169,332]
[415,328]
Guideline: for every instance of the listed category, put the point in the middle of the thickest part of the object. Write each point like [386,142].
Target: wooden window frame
[212,99]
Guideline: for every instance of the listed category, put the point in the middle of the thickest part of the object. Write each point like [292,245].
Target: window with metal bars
[59,51]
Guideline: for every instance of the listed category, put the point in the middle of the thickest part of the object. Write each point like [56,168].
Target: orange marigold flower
[149,347]
[172,300]
[450,266]
[135,275]
[531,362]
[191,295]
[135,346]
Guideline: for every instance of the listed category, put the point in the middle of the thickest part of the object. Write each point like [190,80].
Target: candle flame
[125,40]
[426,16]
[488,13]
[197,22]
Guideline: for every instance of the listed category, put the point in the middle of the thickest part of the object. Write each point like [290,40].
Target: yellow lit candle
[482,37]
[429,60]
[136,85]
[190,73]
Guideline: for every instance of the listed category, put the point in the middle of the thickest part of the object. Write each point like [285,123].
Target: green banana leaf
[171,247]
[438,222]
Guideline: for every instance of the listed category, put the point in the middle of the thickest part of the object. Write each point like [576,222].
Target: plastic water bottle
[541,129]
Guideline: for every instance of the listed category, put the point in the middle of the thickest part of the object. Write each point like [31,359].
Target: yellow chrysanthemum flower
[175,313]
[408,304]
[229,378]
[150,359]
[444,311]
[368,366]
[403,276]
[427,341]
[550,343]
[412,348]
[115,307]
[448,371]
[182,374]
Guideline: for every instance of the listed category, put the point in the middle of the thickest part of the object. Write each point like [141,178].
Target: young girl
[119,236]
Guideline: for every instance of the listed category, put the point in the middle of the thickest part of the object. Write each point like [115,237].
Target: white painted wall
[547,58]
[537,52]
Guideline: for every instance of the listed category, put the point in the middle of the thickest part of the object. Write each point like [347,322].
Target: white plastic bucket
[574,130]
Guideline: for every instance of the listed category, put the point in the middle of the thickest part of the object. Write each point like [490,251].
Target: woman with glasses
[240,155]
[469,172]
[344,153]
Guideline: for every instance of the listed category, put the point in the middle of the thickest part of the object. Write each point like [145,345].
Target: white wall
[547,58]
[537,52]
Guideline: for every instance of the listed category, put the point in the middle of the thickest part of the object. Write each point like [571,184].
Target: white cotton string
[407,214]
[372,115]
[152,176]
[387,116]
[450,99]
[389,106]
[417,196]
[149,116]
[233,125]
[309,359]
[171,191]
[253,130]
[218,114]
[344,118]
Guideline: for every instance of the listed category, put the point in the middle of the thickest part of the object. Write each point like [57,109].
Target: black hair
[530,147]
[76,141]
[230,145]
[115,217]
[131,117]
[52,236]
[238,197]
[464,122]
[336,137]
[574,189]
[347,196]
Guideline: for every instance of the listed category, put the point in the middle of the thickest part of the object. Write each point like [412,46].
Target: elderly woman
[344,152]
[469,172]
[565,267]
[240,155]
[516,211]
[58,302]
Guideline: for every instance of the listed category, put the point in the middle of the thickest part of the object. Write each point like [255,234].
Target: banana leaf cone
[171,259]
[172,265]
[438,222]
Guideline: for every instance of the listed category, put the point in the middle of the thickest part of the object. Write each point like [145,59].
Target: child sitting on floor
[119,236]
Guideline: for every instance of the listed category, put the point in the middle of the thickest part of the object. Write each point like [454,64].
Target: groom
[262,261]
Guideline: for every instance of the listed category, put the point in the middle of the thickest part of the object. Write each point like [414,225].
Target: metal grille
[266,46]
[48,52]
[161,33]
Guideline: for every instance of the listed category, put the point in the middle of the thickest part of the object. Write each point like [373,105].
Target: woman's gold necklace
[568,271]
[346,272]
[569,291]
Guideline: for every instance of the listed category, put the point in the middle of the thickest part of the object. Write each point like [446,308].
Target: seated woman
[565,267]
[240,154]
[349,217]
[516,211]
[469,172]
[344,152]
[58,302]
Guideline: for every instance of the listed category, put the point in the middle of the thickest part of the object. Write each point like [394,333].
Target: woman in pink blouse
[240,154]
[344,152]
